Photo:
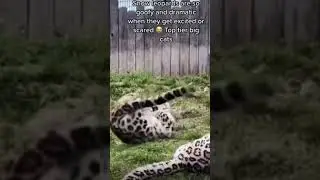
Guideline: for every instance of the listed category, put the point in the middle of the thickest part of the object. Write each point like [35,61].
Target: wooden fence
[187,53]
[46,19]
[232,22]
[268,21]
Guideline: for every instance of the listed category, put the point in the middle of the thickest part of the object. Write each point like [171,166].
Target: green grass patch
[36,74]
[194,115]
[277,138]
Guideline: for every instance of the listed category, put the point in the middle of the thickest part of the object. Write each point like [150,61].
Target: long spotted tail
[140,104]
[149,171]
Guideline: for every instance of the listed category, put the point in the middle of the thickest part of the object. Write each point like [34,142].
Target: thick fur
[57,138]
[89,166]
[146,120]
[57,149]
[193,157]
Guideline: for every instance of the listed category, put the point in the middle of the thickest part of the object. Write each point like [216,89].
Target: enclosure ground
[194,117]
[57,81]
[277,138]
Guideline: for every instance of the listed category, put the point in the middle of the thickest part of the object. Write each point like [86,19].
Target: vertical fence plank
[148,48]
[185,41]
[41,19]
[237,21]
[131,51]
[290,20]
[307,20]
[268,20]
[194,42]
[13,23]
[139,40]
[166,47]
[156,48]
[156,55]
[204,45]
[204,64]
[209,22]
[217,19]
[183,50]
[67,17]
[166,58]
[114,37]
[94,18]
[231,22]
[123,40]
[244,13]
[175,58]
[175,49]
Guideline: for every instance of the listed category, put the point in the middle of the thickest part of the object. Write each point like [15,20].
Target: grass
[194,115]
[278,138]
[36,75]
